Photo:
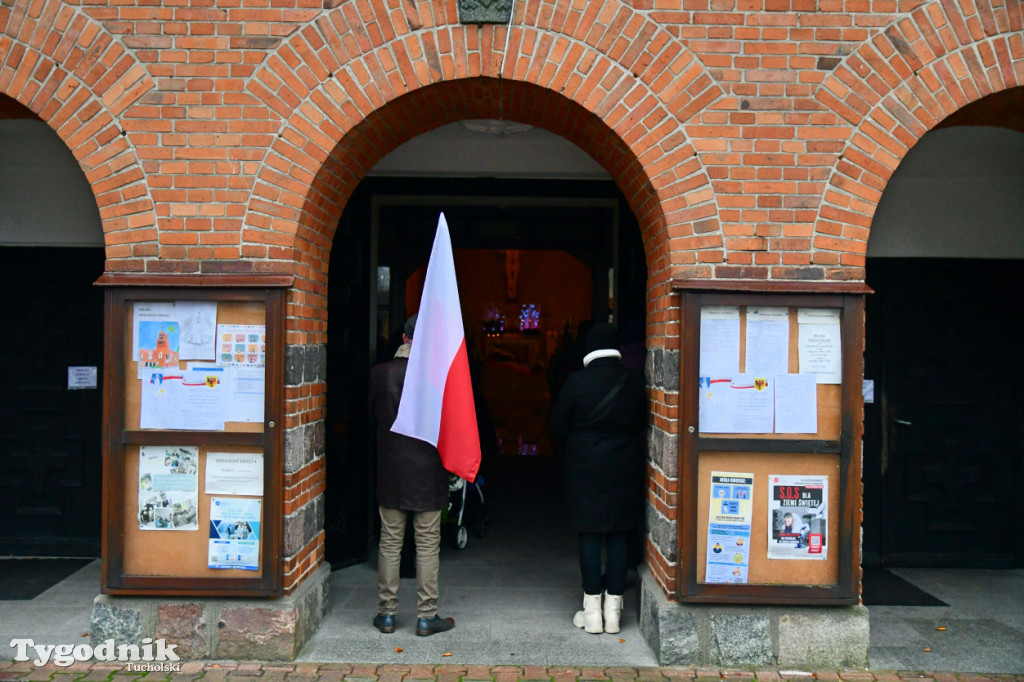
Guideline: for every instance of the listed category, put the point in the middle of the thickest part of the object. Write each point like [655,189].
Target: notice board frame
[121,289]
[848,297]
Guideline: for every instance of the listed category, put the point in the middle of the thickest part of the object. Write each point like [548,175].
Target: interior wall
[959,193]
[45,197]
[558,283]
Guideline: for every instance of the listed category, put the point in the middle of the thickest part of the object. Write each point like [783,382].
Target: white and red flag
[437,398]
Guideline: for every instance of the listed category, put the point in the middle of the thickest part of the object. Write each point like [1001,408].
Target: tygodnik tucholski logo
[152,656]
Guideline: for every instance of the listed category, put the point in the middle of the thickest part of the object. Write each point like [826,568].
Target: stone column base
[231,629]
[802,637]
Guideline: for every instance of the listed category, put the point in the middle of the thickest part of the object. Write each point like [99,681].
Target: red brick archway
[72,74]
[893,90]
[352,88]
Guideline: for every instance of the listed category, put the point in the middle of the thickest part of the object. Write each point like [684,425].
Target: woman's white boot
[612,612]
[590,617]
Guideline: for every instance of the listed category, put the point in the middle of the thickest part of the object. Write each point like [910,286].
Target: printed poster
[797,517]
[234,533]
[729,519]
[168,487]
[156,336]
[241,345]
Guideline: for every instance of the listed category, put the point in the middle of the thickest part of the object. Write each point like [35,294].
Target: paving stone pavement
[211,671]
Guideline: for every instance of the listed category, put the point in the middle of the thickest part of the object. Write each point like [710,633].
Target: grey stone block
[294,364]
[311,365]
[818,638]
[319,438]
[663,450]
[185,626]
[671,635]
[662,532]
[485,11]
[257,633]
[298,447]
[240,629]
[670,370]
[653,367]
[823,637]
[122,623]
[301,526]
[738,637]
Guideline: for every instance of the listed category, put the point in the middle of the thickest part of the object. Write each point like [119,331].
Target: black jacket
[409,471]
[604,458]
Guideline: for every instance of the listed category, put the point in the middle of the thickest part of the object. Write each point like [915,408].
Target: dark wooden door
[347,522]
[947,438]
[51,477]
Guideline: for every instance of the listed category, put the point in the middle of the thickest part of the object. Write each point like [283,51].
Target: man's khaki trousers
[427,526]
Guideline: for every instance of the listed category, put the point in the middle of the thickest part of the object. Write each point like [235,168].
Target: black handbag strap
[602,407]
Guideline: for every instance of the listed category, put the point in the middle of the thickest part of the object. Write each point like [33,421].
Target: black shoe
[385,622]
[430,626]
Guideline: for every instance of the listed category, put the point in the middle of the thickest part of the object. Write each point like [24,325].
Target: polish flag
[437,398]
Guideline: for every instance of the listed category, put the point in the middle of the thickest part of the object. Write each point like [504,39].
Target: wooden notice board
[756,417]
[158,500]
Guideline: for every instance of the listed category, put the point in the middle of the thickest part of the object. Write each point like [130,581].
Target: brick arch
[70,72]
[893,90]
[352,88]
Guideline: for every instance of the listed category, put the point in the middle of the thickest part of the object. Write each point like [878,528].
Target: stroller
[466,512]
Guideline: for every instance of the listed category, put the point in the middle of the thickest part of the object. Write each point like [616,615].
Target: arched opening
[51,351]
[943,445]
[544,242]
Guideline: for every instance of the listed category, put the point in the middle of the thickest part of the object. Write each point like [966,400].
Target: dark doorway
[944,441]
[50,435]
[560,253]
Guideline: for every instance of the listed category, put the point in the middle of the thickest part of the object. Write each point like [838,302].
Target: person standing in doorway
[410,480]
[599,422]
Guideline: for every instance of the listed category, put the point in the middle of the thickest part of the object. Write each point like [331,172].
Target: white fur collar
[601,353]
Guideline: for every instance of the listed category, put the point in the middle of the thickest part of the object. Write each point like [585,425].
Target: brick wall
[752,139]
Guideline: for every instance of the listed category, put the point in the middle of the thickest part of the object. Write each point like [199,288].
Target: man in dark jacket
[410,479]
[599,420]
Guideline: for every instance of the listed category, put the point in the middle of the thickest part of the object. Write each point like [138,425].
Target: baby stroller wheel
[460,538]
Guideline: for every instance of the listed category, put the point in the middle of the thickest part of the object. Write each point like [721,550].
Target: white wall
[959,193]
[45,199]
[509,150]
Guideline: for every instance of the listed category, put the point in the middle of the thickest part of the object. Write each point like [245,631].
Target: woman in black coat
[599,421]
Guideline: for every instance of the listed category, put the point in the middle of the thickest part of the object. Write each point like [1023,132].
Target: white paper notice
[796,403]
[189,401]
[752,404]
[198,321]
[81,378]
[743,406]
[767,341]
[729,519]
[247,385]
[234,473]
[820,344]
[713,412]
[719,341]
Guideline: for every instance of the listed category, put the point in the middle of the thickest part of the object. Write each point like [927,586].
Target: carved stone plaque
[485,11]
